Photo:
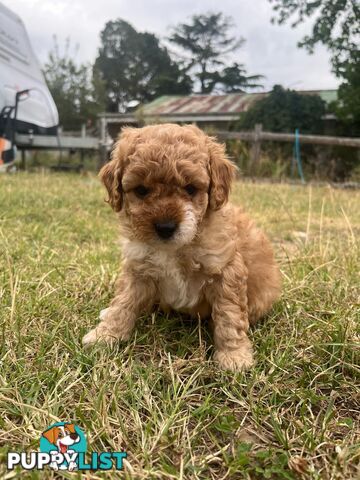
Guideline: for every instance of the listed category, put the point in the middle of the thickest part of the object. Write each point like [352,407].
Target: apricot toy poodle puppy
[184,246]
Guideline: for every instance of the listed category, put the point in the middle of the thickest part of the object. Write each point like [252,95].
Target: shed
[215,111]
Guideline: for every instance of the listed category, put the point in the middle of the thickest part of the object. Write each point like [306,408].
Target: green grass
[160,397]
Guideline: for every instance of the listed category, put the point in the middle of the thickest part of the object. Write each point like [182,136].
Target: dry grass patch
[160,397]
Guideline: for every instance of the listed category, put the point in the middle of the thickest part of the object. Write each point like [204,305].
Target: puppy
[185,247]
[62,437]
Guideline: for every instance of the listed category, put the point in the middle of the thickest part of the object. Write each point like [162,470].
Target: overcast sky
[269,49]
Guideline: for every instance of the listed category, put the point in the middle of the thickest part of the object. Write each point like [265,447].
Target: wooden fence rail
[259,135]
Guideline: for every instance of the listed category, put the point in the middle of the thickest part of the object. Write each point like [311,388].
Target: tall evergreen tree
[134,66]
[205,44]
[234,79]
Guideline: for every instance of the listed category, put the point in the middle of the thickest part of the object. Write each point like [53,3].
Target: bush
[284,111]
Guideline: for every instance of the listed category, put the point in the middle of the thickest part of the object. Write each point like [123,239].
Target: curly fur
[218,263]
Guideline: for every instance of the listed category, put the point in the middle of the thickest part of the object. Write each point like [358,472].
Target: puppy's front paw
[104,334]
[98,334]
[235,360]
[103,313]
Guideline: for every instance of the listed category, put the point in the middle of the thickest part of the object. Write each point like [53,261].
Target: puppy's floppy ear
[222,172]
[52,435]
[111,174]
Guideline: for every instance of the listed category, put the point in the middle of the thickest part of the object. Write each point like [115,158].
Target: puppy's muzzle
[165,230]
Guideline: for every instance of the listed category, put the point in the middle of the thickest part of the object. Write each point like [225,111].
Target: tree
[134,66]
[205,42]
[284,111]
[348,106]
[234,79]
[336,25]
[76,89]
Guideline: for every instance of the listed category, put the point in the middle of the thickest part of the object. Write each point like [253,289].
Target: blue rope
[297,156]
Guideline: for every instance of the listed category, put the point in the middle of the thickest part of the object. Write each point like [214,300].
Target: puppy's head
[164,179]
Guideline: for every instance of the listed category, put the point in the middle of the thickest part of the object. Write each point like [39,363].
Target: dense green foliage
[134,66]
[284,111]
[348,108]
[204,44]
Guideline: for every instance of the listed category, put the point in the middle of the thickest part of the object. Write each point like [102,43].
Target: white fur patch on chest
[177,288]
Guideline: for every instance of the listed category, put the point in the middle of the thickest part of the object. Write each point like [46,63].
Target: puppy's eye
[141,191]
[191,190]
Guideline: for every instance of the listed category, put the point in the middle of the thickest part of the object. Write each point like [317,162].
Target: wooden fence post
[256,148]
[103,153]
[23,160]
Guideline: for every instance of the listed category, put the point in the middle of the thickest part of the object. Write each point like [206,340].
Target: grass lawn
[160,397]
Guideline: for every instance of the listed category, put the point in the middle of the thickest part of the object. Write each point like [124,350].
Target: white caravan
[20,70]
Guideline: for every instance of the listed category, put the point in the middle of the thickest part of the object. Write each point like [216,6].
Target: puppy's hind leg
[263,289]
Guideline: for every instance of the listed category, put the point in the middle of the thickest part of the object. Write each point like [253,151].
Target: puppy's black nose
[165,229]
[74,436]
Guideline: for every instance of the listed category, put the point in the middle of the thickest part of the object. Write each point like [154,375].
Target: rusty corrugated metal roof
[201,104]
[230,104]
